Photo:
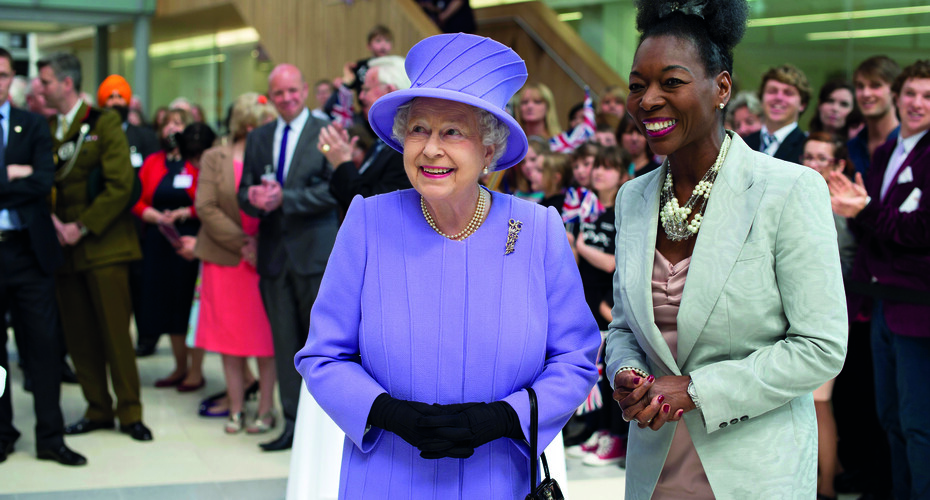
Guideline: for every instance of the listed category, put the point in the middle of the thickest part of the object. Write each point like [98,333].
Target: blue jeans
[902,398]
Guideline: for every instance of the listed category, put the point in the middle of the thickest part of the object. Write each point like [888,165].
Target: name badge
[183,181]
[136,159]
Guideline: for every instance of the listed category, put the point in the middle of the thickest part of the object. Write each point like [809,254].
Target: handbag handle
[534,431]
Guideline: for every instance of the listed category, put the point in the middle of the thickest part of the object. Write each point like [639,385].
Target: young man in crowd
[785,93]
[873,79]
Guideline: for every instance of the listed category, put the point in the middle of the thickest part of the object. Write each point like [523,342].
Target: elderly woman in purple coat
[441,304]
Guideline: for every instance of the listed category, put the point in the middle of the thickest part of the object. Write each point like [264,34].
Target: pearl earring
[485,170]
[721,105]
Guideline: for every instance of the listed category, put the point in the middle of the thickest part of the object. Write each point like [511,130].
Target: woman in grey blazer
[735,312]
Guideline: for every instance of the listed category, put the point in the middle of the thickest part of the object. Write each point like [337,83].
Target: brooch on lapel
[17,129]
[513,231]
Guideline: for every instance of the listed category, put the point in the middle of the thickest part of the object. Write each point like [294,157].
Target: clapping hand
[847,198]
[335,144]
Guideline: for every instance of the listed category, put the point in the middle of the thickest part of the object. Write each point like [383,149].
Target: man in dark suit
[285,182]
[29,256]
[115,93]
[890,215]
[98,242]
[382,171]
[785,93]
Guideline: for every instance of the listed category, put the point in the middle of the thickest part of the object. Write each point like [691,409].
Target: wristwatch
[692,393]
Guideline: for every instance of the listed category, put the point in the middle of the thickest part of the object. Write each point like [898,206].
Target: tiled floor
[190,457]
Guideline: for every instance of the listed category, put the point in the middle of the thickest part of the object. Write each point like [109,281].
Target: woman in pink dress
[232,317]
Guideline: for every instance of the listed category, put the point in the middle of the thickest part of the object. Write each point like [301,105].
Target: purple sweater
[405,311]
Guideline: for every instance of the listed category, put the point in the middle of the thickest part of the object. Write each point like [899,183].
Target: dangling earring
[485,170]
[721,105]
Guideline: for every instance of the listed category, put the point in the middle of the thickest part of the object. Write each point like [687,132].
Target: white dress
[316,454]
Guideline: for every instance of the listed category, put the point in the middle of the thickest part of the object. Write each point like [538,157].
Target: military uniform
[93,284]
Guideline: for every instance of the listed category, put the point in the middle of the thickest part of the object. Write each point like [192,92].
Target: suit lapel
[638,246]
[77,121]
[302,152]
[14,135]
[920,150]
[730,211]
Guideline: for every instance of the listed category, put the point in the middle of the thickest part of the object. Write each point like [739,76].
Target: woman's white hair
[492,131]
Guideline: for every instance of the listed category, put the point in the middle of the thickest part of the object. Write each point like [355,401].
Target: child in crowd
[555,173]
[595,249]
[581,203]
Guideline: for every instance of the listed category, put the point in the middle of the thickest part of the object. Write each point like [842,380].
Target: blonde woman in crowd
[232,318]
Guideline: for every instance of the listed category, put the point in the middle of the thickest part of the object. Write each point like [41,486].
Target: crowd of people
[222,243]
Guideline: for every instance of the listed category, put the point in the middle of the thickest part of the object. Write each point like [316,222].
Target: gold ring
[325,148]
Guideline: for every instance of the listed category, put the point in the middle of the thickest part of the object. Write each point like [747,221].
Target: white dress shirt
[780,136]
[901,151]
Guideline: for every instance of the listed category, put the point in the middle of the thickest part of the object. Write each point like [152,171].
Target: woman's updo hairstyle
[714,26]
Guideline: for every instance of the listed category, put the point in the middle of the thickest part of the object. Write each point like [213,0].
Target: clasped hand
[652,401]
[266,196]
[440,431]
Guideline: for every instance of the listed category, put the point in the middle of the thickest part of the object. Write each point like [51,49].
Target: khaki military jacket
[111,234]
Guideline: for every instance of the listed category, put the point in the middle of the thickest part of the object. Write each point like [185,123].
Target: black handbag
[548,489]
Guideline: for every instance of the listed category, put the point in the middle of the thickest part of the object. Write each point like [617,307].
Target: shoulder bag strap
[534,424]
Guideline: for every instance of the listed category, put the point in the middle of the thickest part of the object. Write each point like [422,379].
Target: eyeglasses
[819,159]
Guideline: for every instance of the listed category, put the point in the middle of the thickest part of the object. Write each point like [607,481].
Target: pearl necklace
[473,224]
[674,217]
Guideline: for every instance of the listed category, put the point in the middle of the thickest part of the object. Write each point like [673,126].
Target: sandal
[262,423]
[235,423]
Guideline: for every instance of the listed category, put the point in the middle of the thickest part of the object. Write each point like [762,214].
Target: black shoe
[62,455]
[83,426]
[67,374]
[5,449]
[283,442]
[137,431]
[144,350]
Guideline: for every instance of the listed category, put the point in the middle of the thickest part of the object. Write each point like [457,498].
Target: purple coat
[894,246]
[405,311]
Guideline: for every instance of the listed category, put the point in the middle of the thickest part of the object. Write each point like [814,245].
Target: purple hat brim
[381,117]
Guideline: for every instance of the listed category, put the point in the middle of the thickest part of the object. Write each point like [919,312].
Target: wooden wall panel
[574,64]
[319,36]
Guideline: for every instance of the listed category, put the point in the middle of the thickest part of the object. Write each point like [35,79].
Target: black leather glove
[400,417]
[468,429]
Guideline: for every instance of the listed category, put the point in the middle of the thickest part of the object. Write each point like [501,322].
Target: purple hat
[463,68]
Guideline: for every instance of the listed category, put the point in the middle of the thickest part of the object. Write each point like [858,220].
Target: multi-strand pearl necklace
[473,224]
[675,217]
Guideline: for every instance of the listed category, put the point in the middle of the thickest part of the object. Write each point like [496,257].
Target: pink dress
[232,315]
[683,475]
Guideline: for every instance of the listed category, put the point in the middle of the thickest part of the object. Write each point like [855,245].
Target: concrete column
[101,56]
[140,84]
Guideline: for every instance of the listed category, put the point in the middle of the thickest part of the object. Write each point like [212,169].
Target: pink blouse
[683,475]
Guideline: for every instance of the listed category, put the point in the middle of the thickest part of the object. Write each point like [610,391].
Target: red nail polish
[666,408]
[679,413]
[661,398]
[650,379]
[636,380]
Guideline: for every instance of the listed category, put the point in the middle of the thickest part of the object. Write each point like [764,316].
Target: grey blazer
[300,233]
[762,324]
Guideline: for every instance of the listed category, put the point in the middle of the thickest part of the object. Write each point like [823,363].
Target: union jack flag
[342,110]
[567,141]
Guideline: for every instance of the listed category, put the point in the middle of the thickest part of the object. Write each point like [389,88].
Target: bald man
[285,182]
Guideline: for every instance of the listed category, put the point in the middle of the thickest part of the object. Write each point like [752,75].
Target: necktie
[282,156]
[894,164]
[9,219]
[767,140]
